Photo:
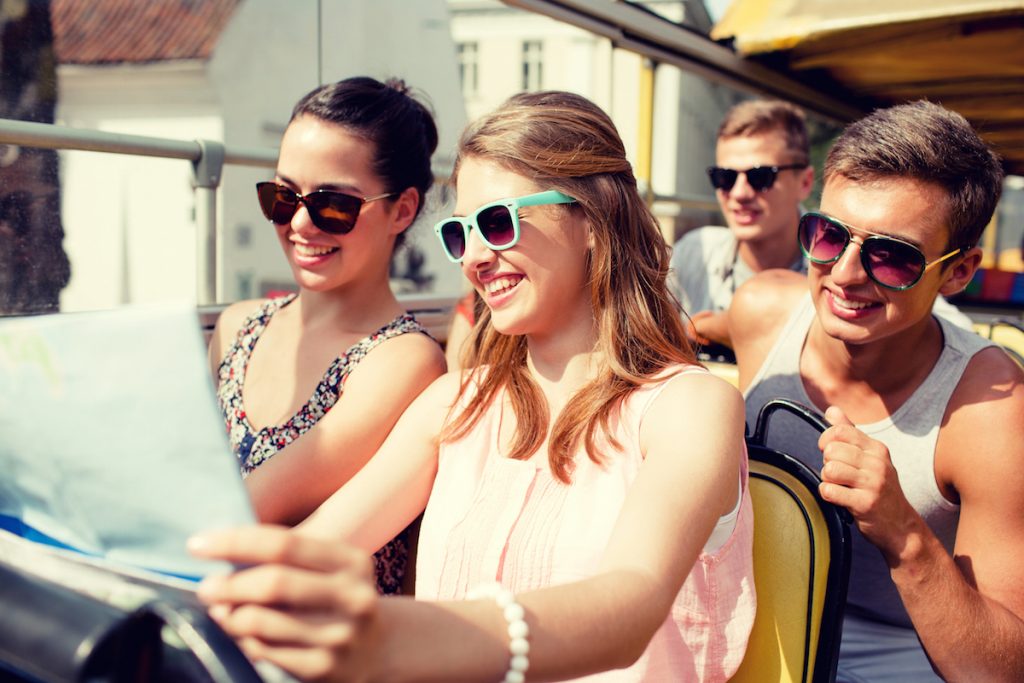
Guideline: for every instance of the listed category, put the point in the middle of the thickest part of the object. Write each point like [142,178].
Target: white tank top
[910,433]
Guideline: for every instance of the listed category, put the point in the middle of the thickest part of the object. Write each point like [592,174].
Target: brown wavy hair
[564,142]
[924,141]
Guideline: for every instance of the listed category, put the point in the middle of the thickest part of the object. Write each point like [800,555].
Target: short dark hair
[929,143]
[401,127]
[754,117]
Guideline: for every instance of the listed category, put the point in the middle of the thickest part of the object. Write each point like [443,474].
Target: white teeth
[853,305]
[312,250]
[501,284]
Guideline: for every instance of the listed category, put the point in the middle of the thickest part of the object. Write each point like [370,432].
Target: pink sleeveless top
[491,519]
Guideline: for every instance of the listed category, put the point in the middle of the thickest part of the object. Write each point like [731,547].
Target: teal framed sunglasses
[497,223]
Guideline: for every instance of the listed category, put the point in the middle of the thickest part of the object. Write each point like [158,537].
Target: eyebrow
[880,233]
[334,187]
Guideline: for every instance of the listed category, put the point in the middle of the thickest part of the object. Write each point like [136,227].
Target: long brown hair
[565,142]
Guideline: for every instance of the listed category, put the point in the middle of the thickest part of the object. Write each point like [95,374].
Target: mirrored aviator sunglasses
[760,178]
[889,262]
[497,223]
[330,211]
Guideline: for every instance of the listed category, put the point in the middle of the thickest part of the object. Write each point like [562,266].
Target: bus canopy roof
[965,54]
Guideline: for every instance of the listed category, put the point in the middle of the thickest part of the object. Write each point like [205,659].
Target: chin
[504,322]
[746,233]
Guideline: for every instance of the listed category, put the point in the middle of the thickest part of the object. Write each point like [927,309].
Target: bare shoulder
[767,295]
[758,311]
[693,400]
[410,355]
[230,319]
[226,329]
[985,418]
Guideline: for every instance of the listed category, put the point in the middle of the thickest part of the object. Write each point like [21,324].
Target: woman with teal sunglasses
[584,481]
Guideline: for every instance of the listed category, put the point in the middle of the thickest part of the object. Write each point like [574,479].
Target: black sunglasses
[890,262]
[761,178]
[333,212]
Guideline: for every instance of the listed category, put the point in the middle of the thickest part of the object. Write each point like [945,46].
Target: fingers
[844,431]
[306,664]
[274,627]
[342,592]
[273,544]
[835,416]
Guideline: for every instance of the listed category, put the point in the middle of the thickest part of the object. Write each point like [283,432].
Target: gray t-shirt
[707,270]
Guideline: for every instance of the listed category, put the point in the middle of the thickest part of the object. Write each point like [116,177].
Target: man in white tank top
[926,450]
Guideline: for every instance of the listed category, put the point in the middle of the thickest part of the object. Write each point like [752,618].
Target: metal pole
[207,174]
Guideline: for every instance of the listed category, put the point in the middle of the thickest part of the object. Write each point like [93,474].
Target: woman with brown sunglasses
[311,383]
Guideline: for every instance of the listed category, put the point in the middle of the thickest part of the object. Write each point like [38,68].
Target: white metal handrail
[206,156]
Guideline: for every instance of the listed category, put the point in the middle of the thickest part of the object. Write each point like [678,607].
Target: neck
[357,307]
[883,365]
[762,255]
[562,363]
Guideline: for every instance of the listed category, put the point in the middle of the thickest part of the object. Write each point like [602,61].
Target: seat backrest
[801,571]
[1008,334]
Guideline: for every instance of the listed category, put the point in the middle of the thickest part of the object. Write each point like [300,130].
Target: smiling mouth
[501,285]
[310,250]
[851,305]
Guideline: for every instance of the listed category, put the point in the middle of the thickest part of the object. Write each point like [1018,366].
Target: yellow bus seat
[1008,334]
[721,361]
[727,371]
[801,566]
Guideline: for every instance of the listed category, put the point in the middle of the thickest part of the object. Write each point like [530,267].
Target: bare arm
[711,326]
[289,486]
[968,609]
[598,623]
[458,333]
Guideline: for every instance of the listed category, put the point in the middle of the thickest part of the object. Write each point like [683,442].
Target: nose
[302,222]
[741,189]
[478,256]
[849,269]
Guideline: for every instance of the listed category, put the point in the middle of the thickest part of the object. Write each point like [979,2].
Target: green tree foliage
[33,265]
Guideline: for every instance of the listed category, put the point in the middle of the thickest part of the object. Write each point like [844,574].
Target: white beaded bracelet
[518,630]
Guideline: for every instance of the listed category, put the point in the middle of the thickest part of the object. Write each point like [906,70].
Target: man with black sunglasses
[926,447]
[761,176]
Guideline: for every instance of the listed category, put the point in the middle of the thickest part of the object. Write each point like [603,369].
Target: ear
[806,182]
[961,273]
[403,211]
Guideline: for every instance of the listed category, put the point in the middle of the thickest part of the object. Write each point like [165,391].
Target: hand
[307,605]
[709,327]
[858,474]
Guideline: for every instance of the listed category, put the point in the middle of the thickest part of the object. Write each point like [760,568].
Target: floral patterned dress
[254,447]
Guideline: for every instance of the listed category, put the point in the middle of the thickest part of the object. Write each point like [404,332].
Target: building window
[468,67]
[533,65]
